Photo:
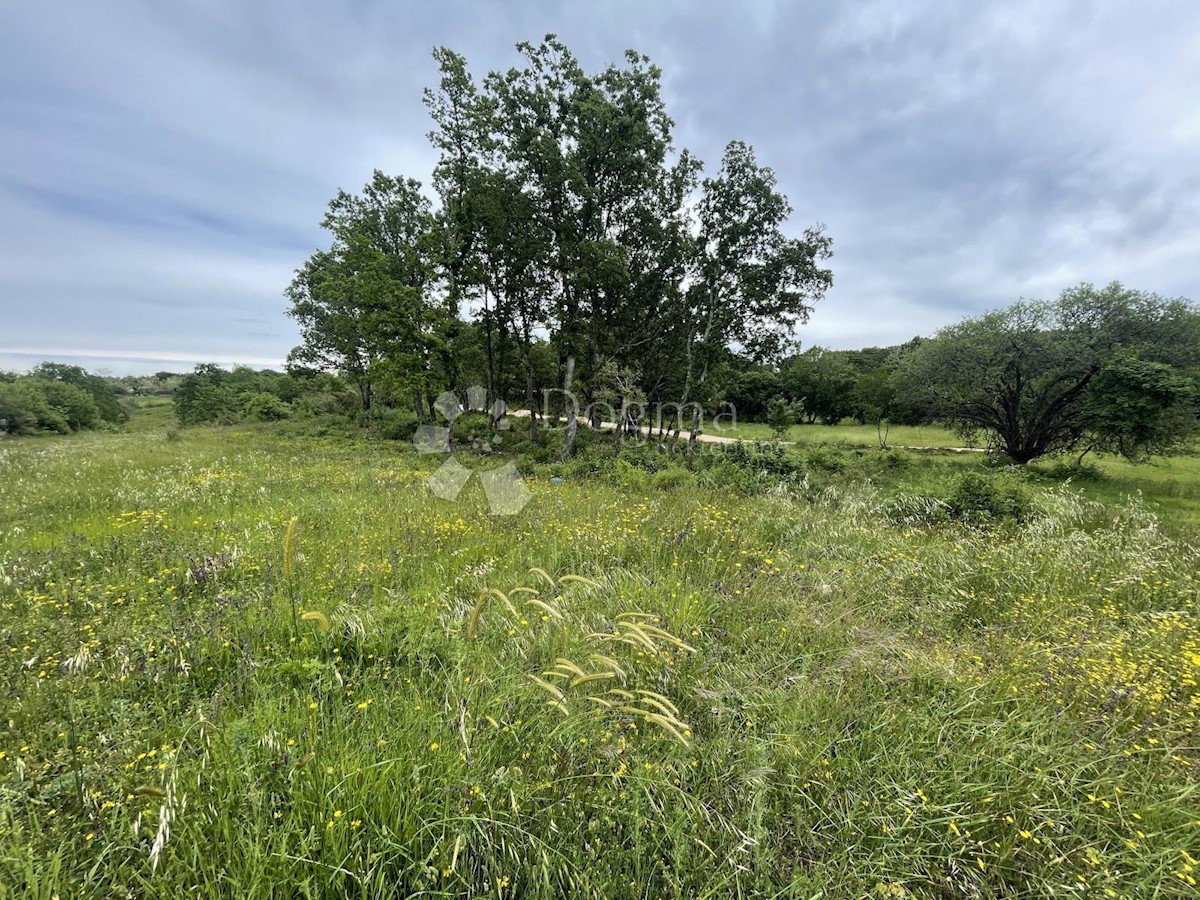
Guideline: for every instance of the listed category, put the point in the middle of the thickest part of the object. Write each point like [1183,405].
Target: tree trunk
[491,364]
[695,432]
[533,413]
[428,394]
[572,413]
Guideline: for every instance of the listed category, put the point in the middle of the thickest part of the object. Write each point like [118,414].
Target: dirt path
[721,439]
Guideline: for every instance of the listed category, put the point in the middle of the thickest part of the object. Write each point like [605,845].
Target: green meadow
[256,662]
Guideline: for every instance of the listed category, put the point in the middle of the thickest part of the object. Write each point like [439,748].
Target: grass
[245,662]
[1171,485]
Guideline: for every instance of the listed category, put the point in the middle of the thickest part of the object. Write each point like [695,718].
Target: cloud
[164,167]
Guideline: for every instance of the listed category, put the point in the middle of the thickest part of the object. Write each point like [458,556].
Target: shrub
[265,408]
[1062,470]
[770,459]
[825,460]
[328,403]
[896,459]
[980,497]
[669,479]
[644,455]
[626,474]
[471,429]
[395,424]
[25,408]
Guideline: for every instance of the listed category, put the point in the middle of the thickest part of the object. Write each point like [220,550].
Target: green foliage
[1027,375]
[395,424]
[206,396]
[25,408]
[264,408]
[824,381]
[563,210]
[210,395]
[31,404]
[751,389]
[363,306]
[782,415]
[104,400]
[57,398]
[1139,409]
[471,430]
[981,496]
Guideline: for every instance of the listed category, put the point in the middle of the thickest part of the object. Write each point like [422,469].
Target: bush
[823,459]
[770,459]
[979,496]
[26,409]
[669,479]
[328,403]
[896,460]
[471,430]
[1074,470]
[724,475]
[395,424]
[626,474]
[265,408]
[644,455]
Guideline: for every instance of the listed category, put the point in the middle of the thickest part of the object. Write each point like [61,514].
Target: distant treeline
[1105,369]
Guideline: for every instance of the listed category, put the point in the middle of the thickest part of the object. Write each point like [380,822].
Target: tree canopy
[564,215]
[1042,377]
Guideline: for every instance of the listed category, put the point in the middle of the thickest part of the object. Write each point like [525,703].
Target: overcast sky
[164,165]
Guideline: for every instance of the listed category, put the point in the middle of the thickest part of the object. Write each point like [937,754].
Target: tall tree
[592,154]
[751,284]
[367,306]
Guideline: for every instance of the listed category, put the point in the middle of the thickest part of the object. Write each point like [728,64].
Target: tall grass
[638,687]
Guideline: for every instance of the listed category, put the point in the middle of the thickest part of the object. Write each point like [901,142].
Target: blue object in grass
[556,479]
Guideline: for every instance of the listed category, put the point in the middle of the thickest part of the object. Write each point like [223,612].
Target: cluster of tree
[211,395]
[53,397]
[826,386]
[1099,369]
[1106,369]
[587,253]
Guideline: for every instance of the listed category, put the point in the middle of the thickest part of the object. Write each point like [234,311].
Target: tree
[26,406]
[1025,375]
[564,223]
[873,396]
[591,155]
[752,284]
[365,306]
[205,395]
[824,381]
[751,388]
[782,414]
[106,406]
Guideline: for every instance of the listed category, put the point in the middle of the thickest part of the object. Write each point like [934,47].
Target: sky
[164,166]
